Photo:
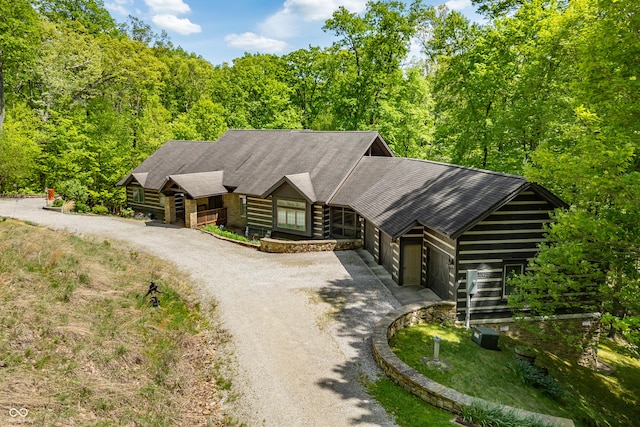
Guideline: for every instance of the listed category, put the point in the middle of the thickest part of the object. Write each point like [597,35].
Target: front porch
[195,213]
[209,217]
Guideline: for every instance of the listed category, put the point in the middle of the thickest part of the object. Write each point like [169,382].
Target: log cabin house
[427,223]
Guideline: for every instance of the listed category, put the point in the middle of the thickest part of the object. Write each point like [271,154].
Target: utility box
[485,338]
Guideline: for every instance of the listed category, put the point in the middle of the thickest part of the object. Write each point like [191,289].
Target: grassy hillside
[81,345]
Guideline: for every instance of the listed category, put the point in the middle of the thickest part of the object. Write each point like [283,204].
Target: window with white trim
[511,270]
[291,214]
[138,195]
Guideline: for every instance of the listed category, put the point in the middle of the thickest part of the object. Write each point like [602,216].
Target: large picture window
[138,195]
[291,214]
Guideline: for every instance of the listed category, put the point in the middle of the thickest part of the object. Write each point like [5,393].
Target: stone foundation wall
[290,246]
[411,380]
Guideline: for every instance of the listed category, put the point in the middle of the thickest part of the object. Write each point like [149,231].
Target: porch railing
[212,216]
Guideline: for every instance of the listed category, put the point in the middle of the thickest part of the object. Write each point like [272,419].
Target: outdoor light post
[436,349]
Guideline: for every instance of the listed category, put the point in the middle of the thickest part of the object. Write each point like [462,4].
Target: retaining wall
[411,380]
[290,246]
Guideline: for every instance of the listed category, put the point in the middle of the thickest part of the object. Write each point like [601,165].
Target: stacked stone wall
[413,381]
[290,246]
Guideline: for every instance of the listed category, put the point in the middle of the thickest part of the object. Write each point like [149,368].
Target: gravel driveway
[300,323]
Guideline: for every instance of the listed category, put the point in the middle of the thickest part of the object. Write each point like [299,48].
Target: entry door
[438,273]
[369,237]
[411,263]
[179,207]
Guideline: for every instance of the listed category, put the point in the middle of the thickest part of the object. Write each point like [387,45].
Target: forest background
[548,89]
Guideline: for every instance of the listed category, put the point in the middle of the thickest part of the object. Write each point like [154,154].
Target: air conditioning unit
[485,338]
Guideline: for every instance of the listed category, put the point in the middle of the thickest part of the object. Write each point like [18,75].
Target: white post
[468,311]
[472,288]
[436,348]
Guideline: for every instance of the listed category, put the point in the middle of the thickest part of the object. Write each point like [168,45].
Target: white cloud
[167,7]
[458,4]
[290,20]
[119,7]
[254,43]
[179,25]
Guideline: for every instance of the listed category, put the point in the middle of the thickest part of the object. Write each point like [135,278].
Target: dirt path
[300,324]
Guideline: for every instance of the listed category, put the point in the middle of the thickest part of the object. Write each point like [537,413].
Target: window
[138,195]
[511,270]
[344,223]
[291,214]
[243,203]
[161,199]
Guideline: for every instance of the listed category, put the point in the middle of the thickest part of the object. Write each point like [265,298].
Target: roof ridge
[470,168]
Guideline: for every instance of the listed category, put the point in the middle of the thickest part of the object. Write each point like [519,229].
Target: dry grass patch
[80,345]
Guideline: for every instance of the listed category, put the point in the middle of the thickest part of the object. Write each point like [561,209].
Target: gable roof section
[447,198]
[172,158]
[197,185]
[255,160]
[262,158]
[301,182]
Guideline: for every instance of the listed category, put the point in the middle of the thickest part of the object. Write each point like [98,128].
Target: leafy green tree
[204,122]
[187,78]
[256,92]
[368,57]
[405,116]
[19,150]
[594,248]
[83,15]
[18,42]
[309,76]
[69,70]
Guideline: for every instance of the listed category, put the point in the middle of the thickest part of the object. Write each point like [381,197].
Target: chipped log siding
[437,244]
[259,214]
[151,202]
[321,221]
[510,234]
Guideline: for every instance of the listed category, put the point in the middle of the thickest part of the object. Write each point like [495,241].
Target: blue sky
[221,30]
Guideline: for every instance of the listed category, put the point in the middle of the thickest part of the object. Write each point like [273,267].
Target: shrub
[490,415]
[221,231]
[529,374]
[81,207]
[57,203]
[127,213]
[99,210]
[74,190]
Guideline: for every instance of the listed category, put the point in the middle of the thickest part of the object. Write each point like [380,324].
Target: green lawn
[590,399]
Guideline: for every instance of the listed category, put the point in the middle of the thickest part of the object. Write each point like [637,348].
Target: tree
[19,150]
[255,91]
[204,122]
[367,60]
[18,41]
[593,164]
[84,15]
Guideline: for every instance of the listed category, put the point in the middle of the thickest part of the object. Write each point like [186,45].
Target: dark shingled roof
[201,184]
[397,194]
[254,160]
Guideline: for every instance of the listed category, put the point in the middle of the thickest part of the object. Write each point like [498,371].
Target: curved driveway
[300,323]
